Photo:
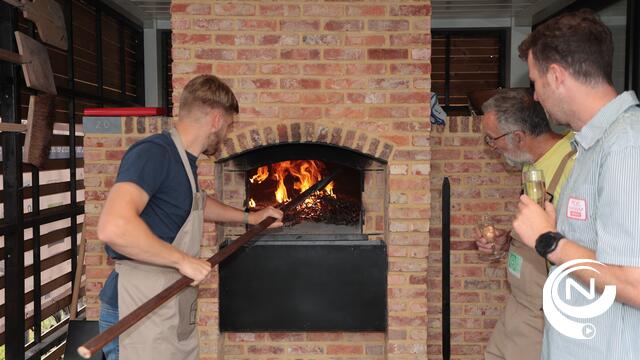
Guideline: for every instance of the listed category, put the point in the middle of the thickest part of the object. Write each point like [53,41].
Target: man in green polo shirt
[516,126]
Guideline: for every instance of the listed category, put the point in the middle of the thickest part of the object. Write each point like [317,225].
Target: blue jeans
[108,317]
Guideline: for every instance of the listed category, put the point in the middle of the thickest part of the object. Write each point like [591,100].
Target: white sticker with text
[577,209]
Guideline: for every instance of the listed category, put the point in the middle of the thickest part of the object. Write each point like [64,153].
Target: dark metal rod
[37,276]
[72,139]
[12,185]
[446,269]
[99,341]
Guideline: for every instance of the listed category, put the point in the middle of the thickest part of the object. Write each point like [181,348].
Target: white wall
[518,71]
[152,62]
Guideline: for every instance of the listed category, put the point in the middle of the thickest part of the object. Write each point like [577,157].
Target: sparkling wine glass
[490,234]
[534,186]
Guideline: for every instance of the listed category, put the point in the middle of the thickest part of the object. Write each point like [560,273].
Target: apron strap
[559,171]
[554,183]
[183,156]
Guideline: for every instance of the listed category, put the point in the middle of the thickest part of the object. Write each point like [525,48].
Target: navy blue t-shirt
[154,164]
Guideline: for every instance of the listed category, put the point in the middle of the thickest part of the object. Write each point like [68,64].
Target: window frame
[502,33]
[166,60]
[13,194]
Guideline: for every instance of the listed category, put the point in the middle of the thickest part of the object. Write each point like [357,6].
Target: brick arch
[305,132]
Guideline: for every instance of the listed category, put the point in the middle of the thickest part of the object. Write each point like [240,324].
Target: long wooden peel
[48,17]
[34,58]
[98,342]
[38,129]
[75,294]
[40,119]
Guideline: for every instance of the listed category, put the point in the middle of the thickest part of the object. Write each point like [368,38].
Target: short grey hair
[517,110]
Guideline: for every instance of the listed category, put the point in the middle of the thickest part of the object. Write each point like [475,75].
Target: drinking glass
[534,186]
[489,233]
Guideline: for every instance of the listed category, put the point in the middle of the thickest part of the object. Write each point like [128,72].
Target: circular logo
[556,309]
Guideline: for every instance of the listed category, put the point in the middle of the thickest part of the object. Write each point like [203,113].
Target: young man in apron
[152,225]
[516,127]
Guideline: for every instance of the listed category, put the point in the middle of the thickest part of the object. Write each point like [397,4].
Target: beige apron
[518,333]
[169,332]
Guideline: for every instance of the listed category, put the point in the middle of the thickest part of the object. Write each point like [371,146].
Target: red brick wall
[480,184]
[338,65]
[356,66]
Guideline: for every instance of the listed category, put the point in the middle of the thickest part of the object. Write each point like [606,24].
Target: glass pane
[84,48]
[111,67]
[615,17]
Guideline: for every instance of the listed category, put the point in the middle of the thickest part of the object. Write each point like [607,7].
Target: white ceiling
[144,10]
[479,8]
[522,10]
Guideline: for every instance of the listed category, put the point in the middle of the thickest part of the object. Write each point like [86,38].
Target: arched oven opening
[326,269]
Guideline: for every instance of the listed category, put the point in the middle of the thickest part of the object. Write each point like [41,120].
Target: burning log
[326,209]
[281,179]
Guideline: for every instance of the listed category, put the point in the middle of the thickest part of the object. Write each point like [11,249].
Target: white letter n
[591,294]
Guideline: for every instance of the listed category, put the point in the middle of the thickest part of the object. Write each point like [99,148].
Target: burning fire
[252,203]
[263,173]
[305,172]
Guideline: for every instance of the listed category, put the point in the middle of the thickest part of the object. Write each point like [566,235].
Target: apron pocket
[187,310]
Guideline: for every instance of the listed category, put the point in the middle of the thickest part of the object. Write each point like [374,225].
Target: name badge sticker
[577,209]
[514,264]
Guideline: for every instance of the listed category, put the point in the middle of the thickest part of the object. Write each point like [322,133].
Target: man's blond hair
[209,92]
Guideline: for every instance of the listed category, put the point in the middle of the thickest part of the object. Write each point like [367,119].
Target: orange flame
[252,203]
[305,172]
[263,173]
[308,173]
[281,191]
[329,190]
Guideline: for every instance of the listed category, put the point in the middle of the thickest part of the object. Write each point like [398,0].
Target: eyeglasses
[491,141]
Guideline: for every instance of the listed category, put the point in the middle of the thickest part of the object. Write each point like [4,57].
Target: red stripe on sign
[129,111]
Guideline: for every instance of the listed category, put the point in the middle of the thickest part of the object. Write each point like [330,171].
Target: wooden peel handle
[12,57]
[13,127]
[102,339]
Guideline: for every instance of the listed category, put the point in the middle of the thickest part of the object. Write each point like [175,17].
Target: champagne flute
[489,233]
[534,186]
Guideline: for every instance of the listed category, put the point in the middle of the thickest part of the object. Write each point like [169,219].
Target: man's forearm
[626,279]
[215,211]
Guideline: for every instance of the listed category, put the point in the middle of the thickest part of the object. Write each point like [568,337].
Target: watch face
[546,242]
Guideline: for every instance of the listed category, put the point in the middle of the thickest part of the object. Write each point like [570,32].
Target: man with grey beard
[515,126]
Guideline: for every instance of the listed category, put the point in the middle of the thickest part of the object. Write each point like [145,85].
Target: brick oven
[326,269]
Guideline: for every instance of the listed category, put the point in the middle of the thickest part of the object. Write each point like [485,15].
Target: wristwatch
[548,242]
